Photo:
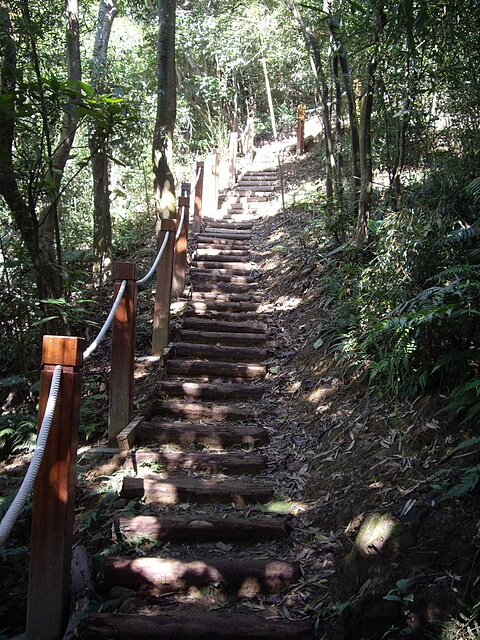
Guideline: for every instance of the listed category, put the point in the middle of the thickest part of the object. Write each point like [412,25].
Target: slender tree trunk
[98,141]
[322,87]
[402,139]
[338,133]
[366,170]
[164,184]
[365,135]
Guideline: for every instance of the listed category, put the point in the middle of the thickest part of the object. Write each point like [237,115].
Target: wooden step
[233,462]
[219,353]
[228,225]
[188,434]
[205,239]
[227,305]
[244,577]
[224,337]
[202,528]
[225,235]
[199,624]
[224,287]
[216,296]
[201,411]
[225,256]
[211,368]
[208,391]
[204,251]
[205,324]
[221,316]
[221,275]
[237,265]
[179,491]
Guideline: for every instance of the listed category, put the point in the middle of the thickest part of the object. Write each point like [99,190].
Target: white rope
[157,260]
[180,224]
[197,178]
[88,352]
[18,503]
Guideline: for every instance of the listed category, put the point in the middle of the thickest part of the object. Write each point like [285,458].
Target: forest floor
[352,458]
[339,454]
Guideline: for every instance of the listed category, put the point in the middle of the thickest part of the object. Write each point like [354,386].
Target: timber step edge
[231,462]
[201,411]
[205,390]
[219,353]
[204,324]
[189,434]
[245,577]
[203,528]
[235,370]
[199,624]
[179,490]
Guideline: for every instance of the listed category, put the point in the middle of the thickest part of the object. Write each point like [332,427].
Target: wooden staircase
[218,565]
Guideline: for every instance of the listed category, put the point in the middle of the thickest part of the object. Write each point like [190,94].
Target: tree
[98,142]
[164,183]
[36,213]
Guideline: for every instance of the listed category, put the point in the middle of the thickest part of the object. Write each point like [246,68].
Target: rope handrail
[157,260]
[88,352]
[180,225]
[9,519]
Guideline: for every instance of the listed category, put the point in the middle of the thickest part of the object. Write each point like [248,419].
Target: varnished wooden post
[123,352]
[232,160]
[54,494]
[181,244]
[198,204]
[300,129]
[216,178]
[161,314]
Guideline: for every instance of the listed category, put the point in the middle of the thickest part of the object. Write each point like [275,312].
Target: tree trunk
[98,141]
[164,184]
[365,199]
[322,87]
[365,136]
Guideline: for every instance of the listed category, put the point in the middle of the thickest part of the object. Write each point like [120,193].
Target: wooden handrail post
[54,494]
[123,352]
[163,296]
[198,205]
[216,177]
[182,241]
[232,159]
[300,129]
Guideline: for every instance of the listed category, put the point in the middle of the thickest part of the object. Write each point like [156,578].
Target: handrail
[157,260]
[9,519]
[88,352]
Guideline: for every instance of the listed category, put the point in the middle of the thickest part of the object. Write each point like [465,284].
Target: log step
[225,256]
[228,225]
[222,288]
[205,239]
[179,491]
[205,324]
[227,305]
[215,276]
[215,296]
[206,391]
[245,577]
[201,625]
[201,411]
[212,368]
[224,337]
[204,251]
[220,354]
[203,528]
[187,434]
[225,235]
[237,264]
[233,462]
[222,316]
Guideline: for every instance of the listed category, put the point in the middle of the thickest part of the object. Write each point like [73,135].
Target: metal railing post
[198,204]
[123,352]
[181,243]
[54,494]
[163,295]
